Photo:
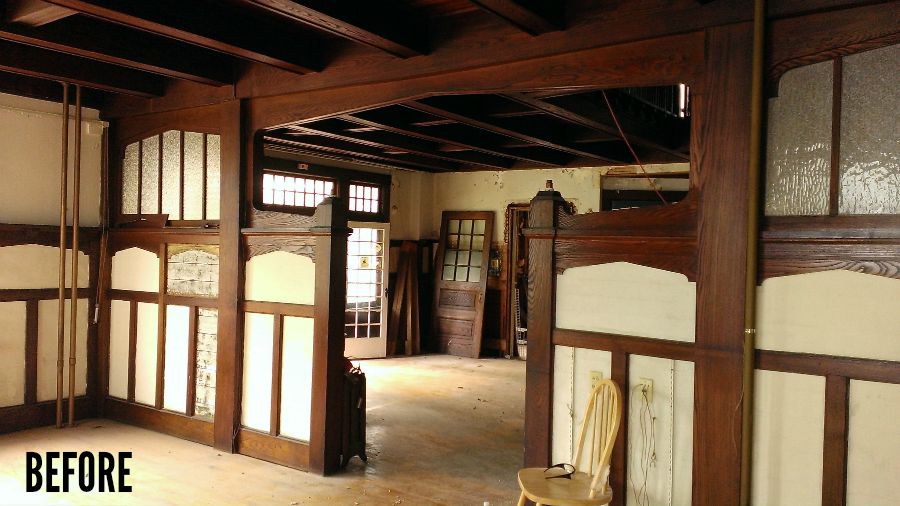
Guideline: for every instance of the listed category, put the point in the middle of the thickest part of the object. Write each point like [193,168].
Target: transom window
[364,198]
[281,190]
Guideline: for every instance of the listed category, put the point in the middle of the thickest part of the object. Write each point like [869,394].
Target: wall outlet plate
[596,377]
[646,386]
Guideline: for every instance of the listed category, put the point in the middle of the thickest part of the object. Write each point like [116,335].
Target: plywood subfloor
[441,430]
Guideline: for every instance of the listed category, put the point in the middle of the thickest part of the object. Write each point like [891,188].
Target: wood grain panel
[192,429]
[21,417]
[280,450]
[834,457]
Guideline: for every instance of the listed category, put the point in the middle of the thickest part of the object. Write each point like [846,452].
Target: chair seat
[560,491]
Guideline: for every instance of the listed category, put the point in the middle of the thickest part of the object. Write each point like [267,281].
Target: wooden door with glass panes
[365,321]
[460,280]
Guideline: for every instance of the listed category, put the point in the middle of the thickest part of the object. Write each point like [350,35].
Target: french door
[365,321]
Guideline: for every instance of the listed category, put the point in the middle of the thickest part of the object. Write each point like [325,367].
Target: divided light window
[364,198]
[174,173]
[281,190]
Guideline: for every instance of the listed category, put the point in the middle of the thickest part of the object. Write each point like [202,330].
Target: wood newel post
[542,218]
[328,337]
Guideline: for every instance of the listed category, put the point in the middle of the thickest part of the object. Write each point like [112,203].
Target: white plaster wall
[176,373]
[788,432]
[48,347]
[873,453]
[296,377]
[30,136]
[412,195]
[35,266]
[12,353]
[146,354]
[119,319]
[280,276]
[831,313]
[256,395]
[625,298]
[571,386]
[135,269]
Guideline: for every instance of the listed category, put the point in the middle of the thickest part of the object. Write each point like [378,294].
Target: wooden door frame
[507,323]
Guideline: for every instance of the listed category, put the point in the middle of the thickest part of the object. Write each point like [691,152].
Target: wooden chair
[589,485]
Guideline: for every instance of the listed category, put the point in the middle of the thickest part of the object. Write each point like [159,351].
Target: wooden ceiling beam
[532,16]
[41,63]
[386,120]
[354,150]
[222,31]
[33,12]
[90,38]
[483,122]
[386,25]
[387,140]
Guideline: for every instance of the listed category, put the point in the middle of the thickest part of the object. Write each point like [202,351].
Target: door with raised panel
[461,280]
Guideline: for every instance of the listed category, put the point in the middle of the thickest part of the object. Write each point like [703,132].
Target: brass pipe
[753,196]
[63,198]
[73,305]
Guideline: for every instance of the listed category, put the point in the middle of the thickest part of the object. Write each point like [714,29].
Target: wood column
[542,217]
[328,337]
[229,348]
[721,152]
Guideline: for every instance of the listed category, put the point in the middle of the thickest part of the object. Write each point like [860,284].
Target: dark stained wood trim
[25,294]
[132,348]
[276,308]
[834,186]
[619,465]
[41,414]
[881,371]
[31,350]
[834,455]
[801,228]
[133,295]
[619,343]
[279,450]
[13,234]
[676,254]
[277,365]
[871,256]
[534,17]
[167,422]
[191,394]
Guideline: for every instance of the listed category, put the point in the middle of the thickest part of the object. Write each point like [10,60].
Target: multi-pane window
[463,255]
[281,190]
[365,258]
[364,198]
[175,173]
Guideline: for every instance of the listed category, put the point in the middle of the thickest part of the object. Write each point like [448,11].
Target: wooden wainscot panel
[279,450]
[676,254]
[192,429]
[673,220]
[47,235]
[28,416]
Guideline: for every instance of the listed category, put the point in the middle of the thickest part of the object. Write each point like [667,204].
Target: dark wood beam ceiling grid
[387,25]
[212,26]
[109,43]
[33,12]
[532,16]
[43,89]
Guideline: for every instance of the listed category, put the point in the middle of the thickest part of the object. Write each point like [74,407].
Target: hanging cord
[631,149]
[647,458]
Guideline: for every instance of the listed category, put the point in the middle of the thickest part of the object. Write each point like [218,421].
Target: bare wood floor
[441,430]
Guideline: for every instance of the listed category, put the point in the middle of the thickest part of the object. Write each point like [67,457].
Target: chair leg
[521,499]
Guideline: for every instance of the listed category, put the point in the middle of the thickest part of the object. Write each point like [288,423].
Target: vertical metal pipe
[73,311]
[753,196]
[63,198]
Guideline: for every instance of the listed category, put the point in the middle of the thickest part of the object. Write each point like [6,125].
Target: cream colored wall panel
[873,452]
[296,377]
[35,266]
[30,143]
[671,411]
[832,313]
[135,269]
[280,277]
[12,353]
[624,298]
[48,346]
[146,353]
[119,320]
[256,395]
[788,434]
[571,388]
[176,372]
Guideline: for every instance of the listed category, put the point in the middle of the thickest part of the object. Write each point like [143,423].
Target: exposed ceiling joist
[385,25]
[223,31]
[33,12]
[532,16]
[41,63]
[356,151]
[129,48]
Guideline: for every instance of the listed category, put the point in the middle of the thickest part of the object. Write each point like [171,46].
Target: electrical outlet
[646,386]
[596,377]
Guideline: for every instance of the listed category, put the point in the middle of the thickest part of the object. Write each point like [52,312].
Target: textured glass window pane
[193,176]
[475,274]
[212,176]
[207,337]
[193,270]
[479,227]
[798,147]
[130,176]
[171,163]
[870,133]
[150,176]
[465,226]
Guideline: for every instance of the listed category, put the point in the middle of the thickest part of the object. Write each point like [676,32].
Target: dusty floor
[441,430]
